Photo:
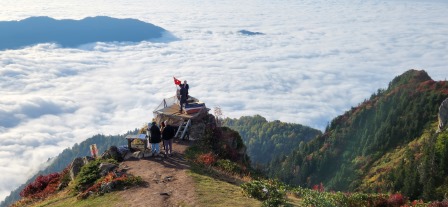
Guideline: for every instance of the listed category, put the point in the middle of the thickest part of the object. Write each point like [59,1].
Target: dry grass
[64,199]
[214,192]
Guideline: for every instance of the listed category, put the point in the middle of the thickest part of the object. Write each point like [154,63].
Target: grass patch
[192,152]
[213,192]
[292,200]
[64,199]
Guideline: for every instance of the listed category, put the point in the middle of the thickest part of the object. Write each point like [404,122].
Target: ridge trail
[168,183]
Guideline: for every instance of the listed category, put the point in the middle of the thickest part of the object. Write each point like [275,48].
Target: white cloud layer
[317,59]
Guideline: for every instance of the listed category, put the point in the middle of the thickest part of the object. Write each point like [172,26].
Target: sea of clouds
[315,61]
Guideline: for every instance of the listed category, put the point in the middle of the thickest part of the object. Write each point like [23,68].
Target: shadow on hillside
[73,33]
[176,161]
[208,171]
[215,174]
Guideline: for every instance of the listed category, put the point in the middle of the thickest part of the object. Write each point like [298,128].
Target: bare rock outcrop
[76,166]
[105,168]
[112,153]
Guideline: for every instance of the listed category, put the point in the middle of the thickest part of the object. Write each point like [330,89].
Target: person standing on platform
[186,86]
[183,96]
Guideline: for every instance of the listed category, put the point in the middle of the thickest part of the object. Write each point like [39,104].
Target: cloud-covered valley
[315,60]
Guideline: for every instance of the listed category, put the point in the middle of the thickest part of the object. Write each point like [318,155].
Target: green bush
[271,192]
[89,174]
[339,199]
[120,183]
[228,166]
[193,152]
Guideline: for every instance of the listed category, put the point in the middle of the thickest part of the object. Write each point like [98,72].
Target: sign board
[137,141]
[93,150]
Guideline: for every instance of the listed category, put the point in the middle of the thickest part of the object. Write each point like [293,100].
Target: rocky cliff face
[443,115]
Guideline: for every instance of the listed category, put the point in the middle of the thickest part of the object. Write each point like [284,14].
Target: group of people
[165,133]
[183,92]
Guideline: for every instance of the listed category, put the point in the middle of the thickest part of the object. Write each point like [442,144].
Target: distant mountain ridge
[266,140]
[360,150]
[72,33]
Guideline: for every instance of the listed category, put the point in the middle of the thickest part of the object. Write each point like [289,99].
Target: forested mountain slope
[66,157]
[266,140]
[383,129]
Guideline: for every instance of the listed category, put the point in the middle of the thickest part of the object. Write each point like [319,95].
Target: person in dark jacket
[155,138]
[186,86]
[162,127]
[167,136]
[183,97]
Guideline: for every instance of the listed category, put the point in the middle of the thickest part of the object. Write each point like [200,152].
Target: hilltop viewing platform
[179,111]
[168,109]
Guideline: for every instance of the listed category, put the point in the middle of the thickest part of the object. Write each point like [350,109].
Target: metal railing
[166,102]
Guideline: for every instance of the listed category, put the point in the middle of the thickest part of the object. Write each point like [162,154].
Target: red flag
[176,81]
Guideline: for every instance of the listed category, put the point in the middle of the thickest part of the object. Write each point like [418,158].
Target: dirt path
[167,181]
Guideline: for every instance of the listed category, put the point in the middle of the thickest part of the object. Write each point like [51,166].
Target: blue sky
[315,61]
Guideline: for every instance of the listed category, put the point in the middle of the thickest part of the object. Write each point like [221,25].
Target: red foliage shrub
[439,204]
[108,178]
[416,202]
[396,200]
[111,177]
[97,186]
[207,159]
[444,91]
[319,187]
[42,186]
